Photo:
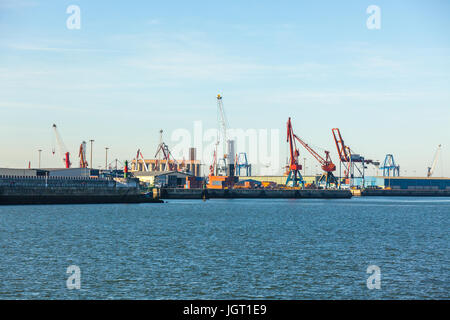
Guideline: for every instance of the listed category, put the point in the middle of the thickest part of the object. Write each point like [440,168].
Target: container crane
[82,155]
[390,166]
[242,163]
[294,177]
[62,148]
[326,164]
[435,160]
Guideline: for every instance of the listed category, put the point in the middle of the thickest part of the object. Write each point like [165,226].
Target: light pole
[106,158]
[39,163]
[91,141]
[304,166]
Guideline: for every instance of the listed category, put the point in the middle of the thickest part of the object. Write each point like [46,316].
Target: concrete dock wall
[173,193]
[405,193]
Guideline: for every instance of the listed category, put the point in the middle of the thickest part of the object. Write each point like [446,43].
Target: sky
[135,67]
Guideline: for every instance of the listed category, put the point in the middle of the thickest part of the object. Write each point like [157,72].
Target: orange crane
[171,163]
[62,148]
[82,155]
[326,164]
[343,151]
[350,159]
[293,170]
[212,167]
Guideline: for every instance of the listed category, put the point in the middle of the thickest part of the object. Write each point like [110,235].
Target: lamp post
[91,141]
[106,158]
[304,166]
[39,163]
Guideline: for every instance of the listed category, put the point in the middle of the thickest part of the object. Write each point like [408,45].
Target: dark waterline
[228,249]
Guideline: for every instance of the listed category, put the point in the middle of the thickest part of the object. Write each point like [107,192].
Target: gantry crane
[294,177]
[435,160]
[389,167]
[242,163]
[62,148]
[82,155]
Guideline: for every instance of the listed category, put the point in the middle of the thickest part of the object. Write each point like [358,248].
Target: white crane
[435,160]
[139,155]
[222,121]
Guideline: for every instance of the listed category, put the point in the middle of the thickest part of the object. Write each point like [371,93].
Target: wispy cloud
[31,47]
[13,4]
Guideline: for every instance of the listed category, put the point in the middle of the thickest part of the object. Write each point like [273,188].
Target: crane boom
[326,164]
[139,155]
[62,147]
[435,160]
[222,121]
[343,150]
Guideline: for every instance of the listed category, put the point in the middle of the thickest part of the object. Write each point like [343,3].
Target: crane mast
[294,176]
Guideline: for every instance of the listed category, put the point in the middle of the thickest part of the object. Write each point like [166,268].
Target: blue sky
[136,67]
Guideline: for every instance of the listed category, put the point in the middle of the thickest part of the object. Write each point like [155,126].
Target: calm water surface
[228,249]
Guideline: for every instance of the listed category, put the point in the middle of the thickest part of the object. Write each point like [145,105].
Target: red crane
[294,175]
[343,150]
[212,167]
[62,147]
[82,155]
[326,164]
[171,163]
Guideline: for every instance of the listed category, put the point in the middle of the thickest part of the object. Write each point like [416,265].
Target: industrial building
[167,162]
[50,172]
[404,183]
[162,178]
[155,165]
